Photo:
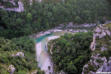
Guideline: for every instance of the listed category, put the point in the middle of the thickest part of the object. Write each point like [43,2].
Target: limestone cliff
[101,51]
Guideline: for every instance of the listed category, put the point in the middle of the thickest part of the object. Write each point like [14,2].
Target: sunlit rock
[18,54]
[97,62]
[11,69]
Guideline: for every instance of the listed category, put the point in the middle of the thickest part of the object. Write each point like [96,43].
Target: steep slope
[100,60]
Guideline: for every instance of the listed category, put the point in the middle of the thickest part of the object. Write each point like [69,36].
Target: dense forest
[48,14]
[71,52]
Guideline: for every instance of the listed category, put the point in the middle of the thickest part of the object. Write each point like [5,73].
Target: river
[43,58]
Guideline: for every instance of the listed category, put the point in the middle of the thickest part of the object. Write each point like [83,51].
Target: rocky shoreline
[66,31]
[56,30]
[68,28]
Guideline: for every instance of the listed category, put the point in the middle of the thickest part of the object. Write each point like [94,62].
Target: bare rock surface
[97,62]
[11,69]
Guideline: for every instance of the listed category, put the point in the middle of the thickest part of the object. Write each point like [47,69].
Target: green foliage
[107,53]
[77,19]
[48,14]
[24,64]
[29,16]
[8,4]
[105,45]
[21,72]
[109,26]
[71,52]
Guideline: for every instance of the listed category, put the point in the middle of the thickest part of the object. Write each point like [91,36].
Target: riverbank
[42,55]
[56,30]
[69,27]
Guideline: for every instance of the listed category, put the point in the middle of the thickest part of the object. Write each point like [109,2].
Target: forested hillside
[20,53]
[48,14]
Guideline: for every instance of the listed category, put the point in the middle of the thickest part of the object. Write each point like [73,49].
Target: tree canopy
[71,52]
[48,14]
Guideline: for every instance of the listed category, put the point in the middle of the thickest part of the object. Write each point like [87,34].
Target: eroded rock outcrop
[100,32]
[100,60]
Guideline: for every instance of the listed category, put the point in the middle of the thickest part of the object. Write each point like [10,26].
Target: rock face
[101,31]
[99,62]
[106,67]
[20,7]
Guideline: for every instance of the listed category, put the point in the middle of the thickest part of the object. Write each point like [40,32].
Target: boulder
[11,69]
